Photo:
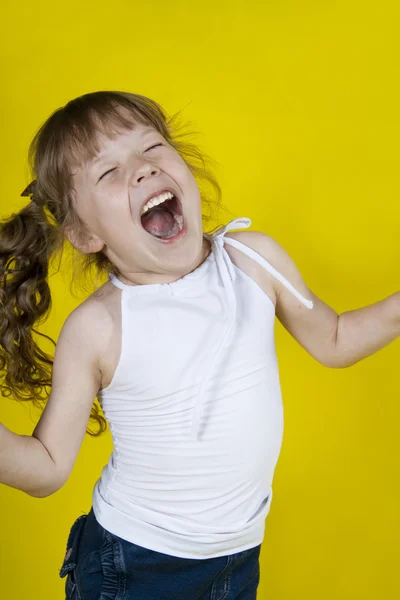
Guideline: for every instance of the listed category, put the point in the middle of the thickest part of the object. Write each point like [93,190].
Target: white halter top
[195,410]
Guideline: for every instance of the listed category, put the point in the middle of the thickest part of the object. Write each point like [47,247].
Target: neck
[154,278]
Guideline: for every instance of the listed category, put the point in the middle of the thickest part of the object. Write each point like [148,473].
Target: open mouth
[164,221]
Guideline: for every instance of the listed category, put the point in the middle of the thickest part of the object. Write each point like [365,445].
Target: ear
[87,243]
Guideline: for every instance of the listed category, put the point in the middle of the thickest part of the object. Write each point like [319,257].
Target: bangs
[80,140]
[71,136]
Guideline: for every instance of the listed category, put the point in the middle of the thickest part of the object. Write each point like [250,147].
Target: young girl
[178,346]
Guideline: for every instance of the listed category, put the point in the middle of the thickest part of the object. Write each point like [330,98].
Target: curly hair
[29,239]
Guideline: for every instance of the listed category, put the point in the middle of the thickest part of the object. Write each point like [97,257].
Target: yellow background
[299,103]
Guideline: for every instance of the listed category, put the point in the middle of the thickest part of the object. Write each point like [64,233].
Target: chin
[189,256]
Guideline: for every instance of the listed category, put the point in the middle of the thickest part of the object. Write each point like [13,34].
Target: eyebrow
[102,155]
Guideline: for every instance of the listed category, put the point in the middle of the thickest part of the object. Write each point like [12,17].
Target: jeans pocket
[68,567]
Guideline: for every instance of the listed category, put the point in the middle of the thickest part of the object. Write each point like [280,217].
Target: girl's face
[156,246]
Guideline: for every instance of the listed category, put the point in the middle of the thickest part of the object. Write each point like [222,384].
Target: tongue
[160,223]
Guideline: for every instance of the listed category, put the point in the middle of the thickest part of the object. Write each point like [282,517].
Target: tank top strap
[243,223]
[114,279]
[239,223]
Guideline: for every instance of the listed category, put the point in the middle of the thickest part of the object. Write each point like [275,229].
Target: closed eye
[111,170]
[154,146]
[104,174]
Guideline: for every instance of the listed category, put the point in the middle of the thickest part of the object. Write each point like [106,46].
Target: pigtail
[27,242]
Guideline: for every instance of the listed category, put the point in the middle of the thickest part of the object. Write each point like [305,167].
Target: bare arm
[40,464]
[364,331]
[336,341]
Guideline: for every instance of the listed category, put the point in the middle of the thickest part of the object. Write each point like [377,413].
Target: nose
[142,171]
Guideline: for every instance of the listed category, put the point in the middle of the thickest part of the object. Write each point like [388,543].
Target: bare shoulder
[97,318]
[263,244]
[279,258]
[258,242]
[96,311]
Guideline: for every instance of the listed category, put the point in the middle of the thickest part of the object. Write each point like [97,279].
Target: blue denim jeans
[102,566]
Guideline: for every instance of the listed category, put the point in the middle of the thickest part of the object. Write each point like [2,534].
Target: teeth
[157,200]
[179,220]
